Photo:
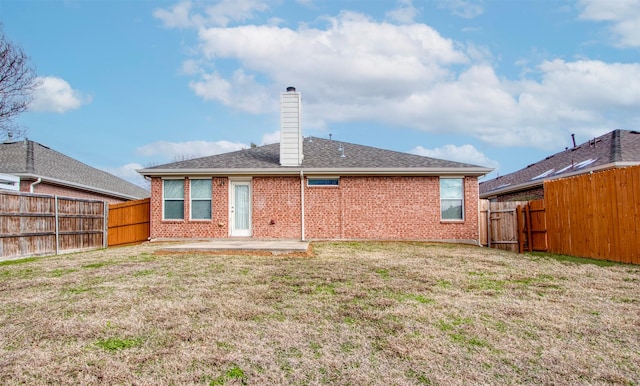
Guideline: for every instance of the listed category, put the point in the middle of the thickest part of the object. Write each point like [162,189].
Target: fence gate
[499,224]
[532,227]
[129,222]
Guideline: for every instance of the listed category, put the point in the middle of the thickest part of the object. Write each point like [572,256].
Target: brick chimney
[291,128]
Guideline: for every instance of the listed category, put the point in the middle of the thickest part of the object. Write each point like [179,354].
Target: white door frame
[234,231]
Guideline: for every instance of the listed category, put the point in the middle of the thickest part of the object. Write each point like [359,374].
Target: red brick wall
[277,199]
[404,208]
[46,188]
[387,208]
[217,227]
[525,195]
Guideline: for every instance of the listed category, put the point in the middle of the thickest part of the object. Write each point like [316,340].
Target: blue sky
[129,84]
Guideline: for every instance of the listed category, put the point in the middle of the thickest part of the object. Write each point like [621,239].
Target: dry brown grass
[356,313]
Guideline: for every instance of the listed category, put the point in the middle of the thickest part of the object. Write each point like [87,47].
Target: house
[36,168]
[618,148]
[314,188]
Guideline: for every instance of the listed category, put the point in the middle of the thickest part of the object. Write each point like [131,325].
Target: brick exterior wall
[63,191]
[389,208]
[524,195]
[217,227]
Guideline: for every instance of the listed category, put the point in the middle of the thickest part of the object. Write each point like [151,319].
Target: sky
[502,84]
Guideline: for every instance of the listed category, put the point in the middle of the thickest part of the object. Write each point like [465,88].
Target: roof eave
[540,182]
[463,171]
[79,186]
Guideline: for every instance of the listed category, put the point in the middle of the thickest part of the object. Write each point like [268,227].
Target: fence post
[520,226]
[527,209]
[489,226]
[105,224]
[55,198]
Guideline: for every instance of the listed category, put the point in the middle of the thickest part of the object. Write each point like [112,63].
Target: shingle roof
[320,155]
[618,146]
[29,158]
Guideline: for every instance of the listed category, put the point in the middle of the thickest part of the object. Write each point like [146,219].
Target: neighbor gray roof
[614,149]
[29,159]
[320,156]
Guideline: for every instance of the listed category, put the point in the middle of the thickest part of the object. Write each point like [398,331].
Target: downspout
[302,204]
[39,180]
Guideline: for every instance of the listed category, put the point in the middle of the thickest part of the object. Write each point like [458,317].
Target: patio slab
[273,247]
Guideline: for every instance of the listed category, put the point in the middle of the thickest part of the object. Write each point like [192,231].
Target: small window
[200,199]
[452,198]
[173,197]
[323,181]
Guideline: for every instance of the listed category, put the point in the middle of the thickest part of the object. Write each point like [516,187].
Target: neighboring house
[46,171]
[618,148]
[313,188]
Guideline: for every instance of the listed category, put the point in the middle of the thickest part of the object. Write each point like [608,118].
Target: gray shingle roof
[622,146]
[319,154]
[29,158]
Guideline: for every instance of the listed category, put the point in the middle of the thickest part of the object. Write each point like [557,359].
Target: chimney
[291,128]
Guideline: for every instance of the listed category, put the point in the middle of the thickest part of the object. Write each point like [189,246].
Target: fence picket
[595,215]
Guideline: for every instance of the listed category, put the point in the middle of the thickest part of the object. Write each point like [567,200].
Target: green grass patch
[443,283]
[574,259]
[115,344]
[62,271]
[325,289]
[145,272]
[95,265]
[383,273]
[234,373]
[19,261]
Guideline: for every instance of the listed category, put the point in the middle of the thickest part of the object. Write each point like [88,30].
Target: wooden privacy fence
[499,224]
[532,226]
[513,226]
[595,215]
[129,222]
[32,225]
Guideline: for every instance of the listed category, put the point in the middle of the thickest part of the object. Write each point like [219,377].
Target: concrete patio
[272,247]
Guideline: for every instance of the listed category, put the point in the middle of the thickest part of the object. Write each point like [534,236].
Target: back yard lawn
[356,313]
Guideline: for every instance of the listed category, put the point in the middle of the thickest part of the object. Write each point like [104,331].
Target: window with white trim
[200,199]
[452,199]
[173,199]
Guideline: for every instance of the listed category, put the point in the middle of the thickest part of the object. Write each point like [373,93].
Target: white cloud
[623,16]
[467,9]
[185,14]
[240,92]
[128,172]
[56,95]
[465,154]
[355,69]
[179,16]
[352,58]
[405,13]
[269,138]
[170,151]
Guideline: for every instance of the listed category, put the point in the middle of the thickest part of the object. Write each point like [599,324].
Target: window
[323,181]
[452,198]
[173,197]
[200,199]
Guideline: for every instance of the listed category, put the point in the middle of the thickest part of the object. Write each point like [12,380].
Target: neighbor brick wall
[525,195]
[403,208]
[63,191]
